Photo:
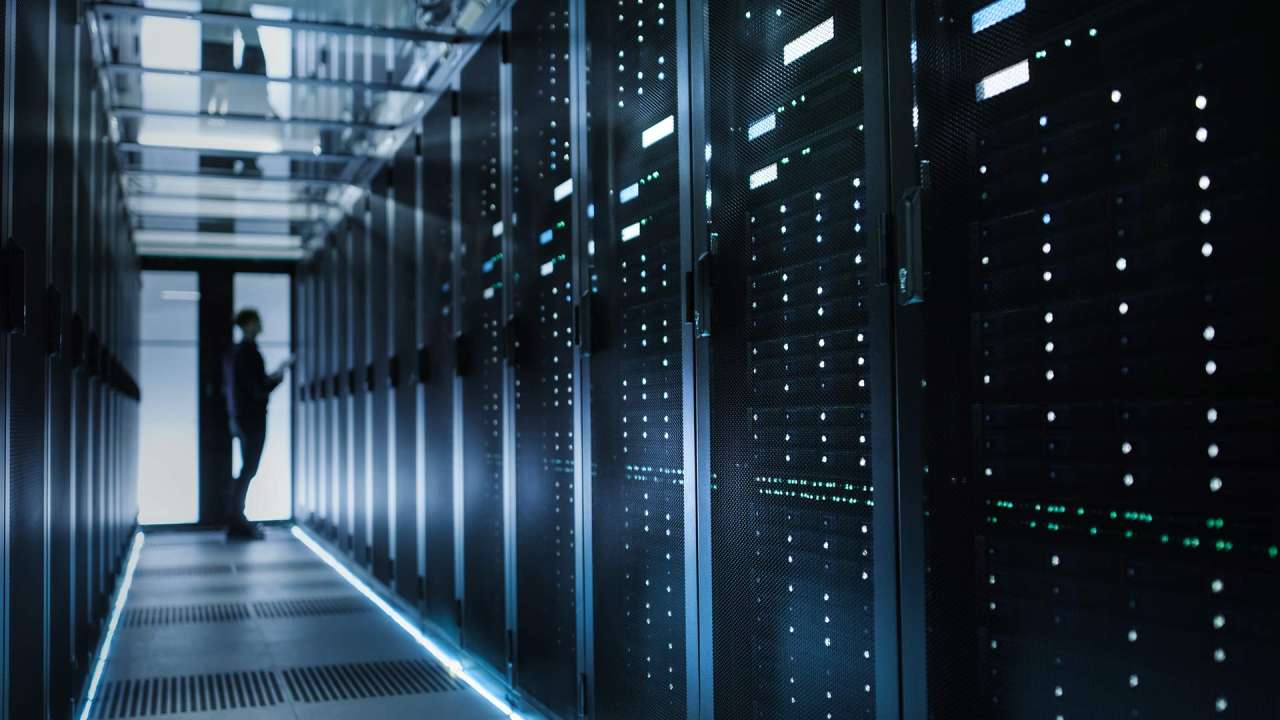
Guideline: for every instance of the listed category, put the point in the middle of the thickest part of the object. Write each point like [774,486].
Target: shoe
[245,531]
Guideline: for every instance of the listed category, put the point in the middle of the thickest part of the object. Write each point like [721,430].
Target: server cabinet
[61,520]
[379,342]
[27,474]
[481,357]
[332,390]
[543,357]
[361,397]
[403,289]
[343,386]
[1102,525]
[302,380]
[437,369]
[637,252]
[796,313]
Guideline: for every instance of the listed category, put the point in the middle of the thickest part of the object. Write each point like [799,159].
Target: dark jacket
[247,385]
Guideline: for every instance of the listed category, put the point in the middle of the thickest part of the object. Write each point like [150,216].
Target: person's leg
[253,436]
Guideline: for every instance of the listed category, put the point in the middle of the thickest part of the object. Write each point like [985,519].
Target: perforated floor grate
[227,568]
[150,697]
[310,607]
[353,681]
[186,614]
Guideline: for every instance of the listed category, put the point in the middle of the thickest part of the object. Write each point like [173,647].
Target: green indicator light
[1164,538]
[1053,526]
[1079,511]
[1093,531]
[1113,515]
[1128,534]
[1033,523]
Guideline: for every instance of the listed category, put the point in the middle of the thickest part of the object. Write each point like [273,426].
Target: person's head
[249,322]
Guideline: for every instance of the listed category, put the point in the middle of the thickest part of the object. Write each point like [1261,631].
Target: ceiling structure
[248,128]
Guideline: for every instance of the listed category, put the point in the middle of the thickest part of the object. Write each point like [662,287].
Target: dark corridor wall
[69,286]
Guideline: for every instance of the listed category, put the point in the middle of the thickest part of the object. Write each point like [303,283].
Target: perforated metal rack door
[360,398]
[484,610]
[343,390]
[325,404]
[404,290]
[62,256]
[333,392]
[1103,511]
[437,432]
[542,298]
[379,343]
[28,612]
[791,415]
[636,257]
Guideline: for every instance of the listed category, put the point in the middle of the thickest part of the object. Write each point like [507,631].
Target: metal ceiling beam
[298,231]
[297,155]
[239,178]
[138,113]
[125,69]
[239,201]
[246,21]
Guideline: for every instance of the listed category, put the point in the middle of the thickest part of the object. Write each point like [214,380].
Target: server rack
[437,365]
[542,355]
[28,534]
[362,394]
[794,314]
[60,484]
[638,251]
[481,354]
[344,391]
[332,390]
[404,289]
[380,449]
[1093,202]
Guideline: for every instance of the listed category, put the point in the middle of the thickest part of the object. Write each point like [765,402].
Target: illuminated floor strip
[135,550]
[453,665]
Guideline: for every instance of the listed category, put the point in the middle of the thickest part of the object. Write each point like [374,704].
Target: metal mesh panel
[637,414]
[1102,533]
[404,391]
[546,649]
[790,400]
[484,610]
[380,449]
[26,443]
[343,391]
[437,425]
[360,399]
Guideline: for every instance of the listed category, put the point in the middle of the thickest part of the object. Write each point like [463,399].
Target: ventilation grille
[227,568]
[353,681]
[311,607]
[189,571]
[150,697]
[186,614]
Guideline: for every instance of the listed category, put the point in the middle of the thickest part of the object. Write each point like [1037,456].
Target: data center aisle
[260,631]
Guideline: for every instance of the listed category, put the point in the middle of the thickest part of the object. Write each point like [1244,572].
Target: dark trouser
[252,433]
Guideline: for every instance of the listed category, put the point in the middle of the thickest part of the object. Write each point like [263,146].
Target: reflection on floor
[261,631]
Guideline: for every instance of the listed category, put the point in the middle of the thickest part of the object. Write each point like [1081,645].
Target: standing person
[248,387]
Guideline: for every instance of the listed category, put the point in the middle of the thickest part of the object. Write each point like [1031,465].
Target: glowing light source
[121,596]
[452,664]
[996,12]
[658,131]
[821,34]
[1002,81]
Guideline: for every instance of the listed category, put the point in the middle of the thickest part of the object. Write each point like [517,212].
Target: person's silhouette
[248,387]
